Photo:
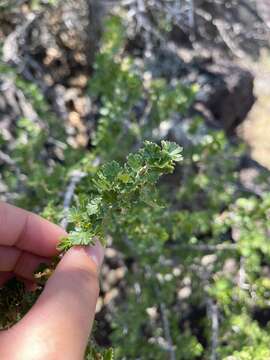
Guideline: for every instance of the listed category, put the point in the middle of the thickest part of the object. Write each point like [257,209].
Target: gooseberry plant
[192,247]
[119,193]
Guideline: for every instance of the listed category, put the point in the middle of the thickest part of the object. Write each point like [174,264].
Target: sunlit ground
[256,129]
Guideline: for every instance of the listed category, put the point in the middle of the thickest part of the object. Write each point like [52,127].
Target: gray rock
[226,94]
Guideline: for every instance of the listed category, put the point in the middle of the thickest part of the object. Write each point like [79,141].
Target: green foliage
[120,85]
[121,193]
[183,239]
[251,340]
[100,355]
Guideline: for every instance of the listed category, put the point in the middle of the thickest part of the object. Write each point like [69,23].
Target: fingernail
[96,252]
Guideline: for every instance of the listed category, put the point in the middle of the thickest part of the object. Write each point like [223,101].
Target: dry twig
[76,177]
[213,315]
[167,332]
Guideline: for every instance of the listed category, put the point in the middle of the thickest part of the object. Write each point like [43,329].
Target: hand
[58,325]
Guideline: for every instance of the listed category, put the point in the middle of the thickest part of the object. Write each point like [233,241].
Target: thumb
[61,320]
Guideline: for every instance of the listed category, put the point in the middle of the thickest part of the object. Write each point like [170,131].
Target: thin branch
[170,348]
[227,40]
[242,276]
[254,13]
[207,247]
[167,333]
[5,158]
[76,177]
[27,108]
[191,15]
[213,314]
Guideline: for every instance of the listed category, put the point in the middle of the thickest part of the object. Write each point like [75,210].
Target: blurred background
[83,82]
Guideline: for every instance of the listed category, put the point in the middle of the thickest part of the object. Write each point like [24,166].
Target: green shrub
[178,238]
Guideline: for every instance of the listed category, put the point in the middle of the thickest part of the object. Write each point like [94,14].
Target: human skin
[59,323]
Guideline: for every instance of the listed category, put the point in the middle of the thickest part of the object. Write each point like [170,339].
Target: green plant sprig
[117,190]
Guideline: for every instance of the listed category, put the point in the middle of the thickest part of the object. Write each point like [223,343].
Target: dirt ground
[256,129]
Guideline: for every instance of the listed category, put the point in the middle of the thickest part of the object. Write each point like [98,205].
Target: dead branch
[167,332]
[213,315]
[227,40]
[75,178]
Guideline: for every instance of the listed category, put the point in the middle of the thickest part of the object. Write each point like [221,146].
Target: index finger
[27,231]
